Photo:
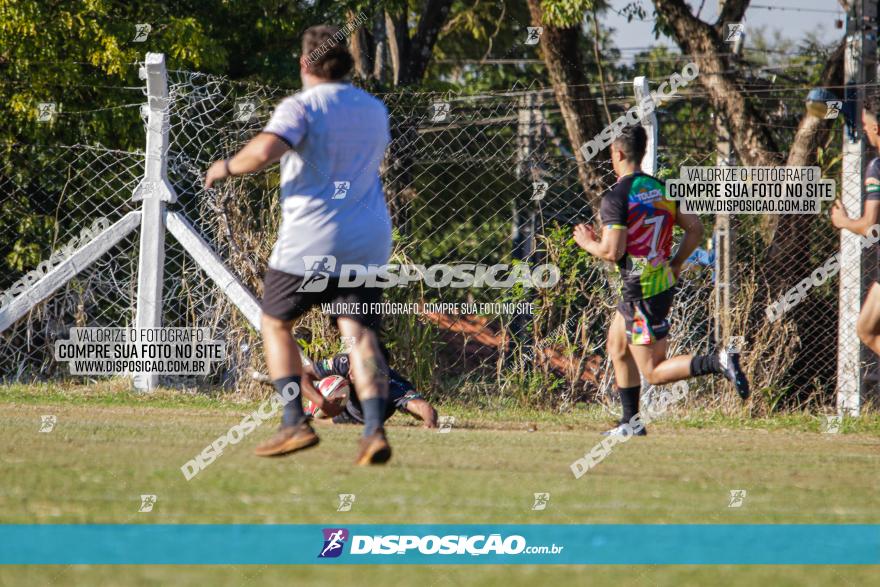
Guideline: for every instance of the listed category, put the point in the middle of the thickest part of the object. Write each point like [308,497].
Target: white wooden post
[649,122]
[67,269]
[211,264]
[154,192]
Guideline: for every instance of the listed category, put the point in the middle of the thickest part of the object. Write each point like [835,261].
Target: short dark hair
[632,142]
[326,52]
[872,102]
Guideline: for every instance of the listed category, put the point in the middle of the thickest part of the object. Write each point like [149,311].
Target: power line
[796,9]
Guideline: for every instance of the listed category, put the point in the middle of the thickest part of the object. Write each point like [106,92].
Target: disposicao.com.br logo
[393,544]
[320,270]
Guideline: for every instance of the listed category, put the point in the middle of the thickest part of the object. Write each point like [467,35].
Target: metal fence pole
[849,380]
[725,239]
[525,226]
[154,192]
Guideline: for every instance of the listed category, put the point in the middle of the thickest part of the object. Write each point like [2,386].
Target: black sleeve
[397,380]
[401,391]
[614,209]
[872,180]
[338,365]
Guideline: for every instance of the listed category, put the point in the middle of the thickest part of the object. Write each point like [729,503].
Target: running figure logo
[439,111]
[445,424]
[244,110]
[340,189]
[534,35]
[47,423]
[334,540]
[737,498]
[141,32]
[735,31]
[348,343]
[832,424]
[539,190]
[832,108]
[147,503]
[318,274]
[46,111]
[541,501]
[346,500]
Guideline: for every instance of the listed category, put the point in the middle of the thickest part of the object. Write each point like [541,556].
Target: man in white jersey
[330,139]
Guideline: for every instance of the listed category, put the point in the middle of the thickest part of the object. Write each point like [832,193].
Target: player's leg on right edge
[868,324]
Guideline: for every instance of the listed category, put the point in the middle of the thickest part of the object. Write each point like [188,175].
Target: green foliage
[567,13]
[26,252]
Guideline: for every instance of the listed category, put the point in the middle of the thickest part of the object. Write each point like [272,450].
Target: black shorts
[283,299]
[645,319]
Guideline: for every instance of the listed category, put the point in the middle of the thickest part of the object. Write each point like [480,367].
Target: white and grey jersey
[332,202]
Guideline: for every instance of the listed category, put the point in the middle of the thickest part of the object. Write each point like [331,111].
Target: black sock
[374,414]
[705,364]
[629,399]
[293,410]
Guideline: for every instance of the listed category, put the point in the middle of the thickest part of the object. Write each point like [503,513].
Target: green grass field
[109,447]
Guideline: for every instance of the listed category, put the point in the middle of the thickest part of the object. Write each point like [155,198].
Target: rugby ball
[333,387]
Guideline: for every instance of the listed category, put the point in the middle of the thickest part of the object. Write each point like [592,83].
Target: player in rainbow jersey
[637,223]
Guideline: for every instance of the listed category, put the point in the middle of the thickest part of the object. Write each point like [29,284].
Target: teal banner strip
[209,544]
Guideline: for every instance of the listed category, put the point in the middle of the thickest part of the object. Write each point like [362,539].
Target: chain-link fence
[482,179]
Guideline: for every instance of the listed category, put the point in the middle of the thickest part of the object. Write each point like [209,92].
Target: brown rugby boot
[373,449]
[287,440]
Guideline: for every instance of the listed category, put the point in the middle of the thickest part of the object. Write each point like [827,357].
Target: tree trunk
[362,47]
[579,109]
[434,15]
[398,42]
[409,58]
[788,240]
[751,138]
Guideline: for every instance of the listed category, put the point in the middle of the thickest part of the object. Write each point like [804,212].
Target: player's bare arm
[841,220]
[609,248]
[422,410]
[693,234]
[260,152]
[327,406]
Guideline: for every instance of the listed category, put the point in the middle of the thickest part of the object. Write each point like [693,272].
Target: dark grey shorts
[286,297]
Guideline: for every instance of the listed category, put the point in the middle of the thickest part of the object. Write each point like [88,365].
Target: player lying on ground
[402,395]
[330,139]
[868,324]
[637,221]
